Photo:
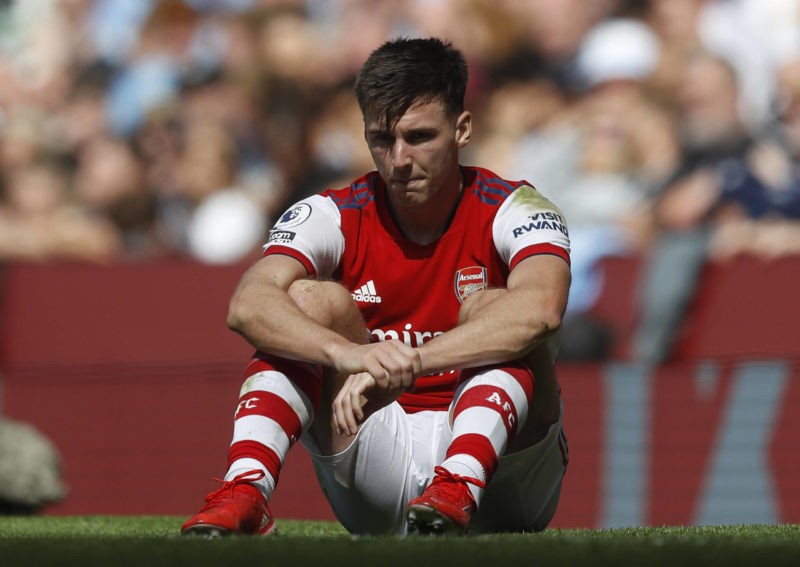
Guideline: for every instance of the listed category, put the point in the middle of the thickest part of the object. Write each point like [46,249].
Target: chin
[415,196]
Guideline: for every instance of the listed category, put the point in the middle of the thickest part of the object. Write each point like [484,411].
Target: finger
[348,406]
[350,426]
[340,409]
[338,414]
[403,370]
[361,383]
[379,372]
[347,421]
[356,416]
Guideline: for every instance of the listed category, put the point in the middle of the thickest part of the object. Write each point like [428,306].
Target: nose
[400,154]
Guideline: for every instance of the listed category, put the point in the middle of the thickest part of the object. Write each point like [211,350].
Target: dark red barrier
[133,374]
[747,308]
[79,314]
[743,309]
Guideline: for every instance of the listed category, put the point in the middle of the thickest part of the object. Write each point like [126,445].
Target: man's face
[419,155]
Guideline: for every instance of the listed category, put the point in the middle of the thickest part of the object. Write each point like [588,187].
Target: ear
[464,129]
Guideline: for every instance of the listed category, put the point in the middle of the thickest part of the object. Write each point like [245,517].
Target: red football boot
[445,507]
[236,508]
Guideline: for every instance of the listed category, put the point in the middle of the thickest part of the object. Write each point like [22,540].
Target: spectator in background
[550,34]
[25,138]
[230,98]
[210,216]
[727,176]
[109,181]
[766,223]
[676,24]
[336,141]
[598,156]
[151,76]
[776,233]
[82,117]
[530,129]
[73,72]
[297,76]
[748,34]
[38,220]
[626,147]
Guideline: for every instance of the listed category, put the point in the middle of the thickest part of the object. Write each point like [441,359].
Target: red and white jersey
[413,292]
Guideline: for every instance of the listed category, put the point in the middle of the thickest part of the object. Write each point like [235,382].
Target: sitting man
[404,329]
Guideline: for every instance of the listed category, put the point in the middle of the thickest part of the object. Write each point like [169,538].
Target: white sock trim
[266,485]
[467,465]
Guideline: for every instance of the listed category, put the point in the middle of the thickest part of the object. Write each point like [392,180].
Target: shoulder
[357,195]
[527,223]
[488,187]
[528,199]
[527,209]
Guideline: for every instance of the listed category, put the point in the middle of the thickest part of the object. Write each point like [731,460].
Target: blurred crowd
[668,129]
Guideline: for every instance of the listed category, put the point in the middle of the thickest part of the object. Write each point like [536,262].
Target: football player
[405,330]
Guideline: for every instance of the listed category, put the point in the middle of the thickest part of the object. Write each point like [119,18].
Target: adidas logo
[366,293]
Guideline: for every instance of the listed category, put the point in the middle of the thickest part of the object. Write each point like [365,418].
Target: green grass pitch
[150,541]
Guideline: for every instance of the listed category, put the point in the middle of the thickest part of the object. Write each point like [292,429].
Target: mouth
[404,182]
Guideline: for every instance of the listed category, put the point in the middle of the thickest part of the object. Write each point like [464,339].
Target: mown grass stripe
[119,541]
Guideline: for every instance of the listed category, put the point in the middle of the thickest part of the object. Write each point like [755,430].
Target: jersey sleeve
[310,232]
[527,224]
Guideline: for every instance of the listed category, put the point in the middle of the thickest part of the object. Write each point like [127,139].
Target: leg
[525,490]
[545,408]
[282,399]
[494,413]
[389,462]
[330,305]
[489,407]
[279,401]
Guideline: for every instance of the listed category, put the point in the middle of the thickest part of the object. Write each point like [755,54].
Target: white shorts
[391,461]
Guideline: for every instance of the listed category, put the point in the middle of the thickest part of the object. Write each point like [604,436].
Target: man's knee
[331,305]
[477,301]
[320,300]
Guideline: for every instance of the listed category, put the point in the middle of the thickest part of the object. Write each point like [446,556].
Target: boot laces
[229,485]
[445,476]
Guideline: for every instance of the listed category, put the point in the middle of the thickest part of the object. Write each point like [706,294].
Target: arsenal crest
[469,280]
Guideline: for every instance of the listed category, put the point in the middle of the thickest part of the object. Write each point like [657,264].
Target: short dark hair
[404,71]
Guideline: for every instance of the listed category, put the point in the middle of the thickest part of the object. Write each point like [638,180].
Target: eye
[420,137]
[381,140]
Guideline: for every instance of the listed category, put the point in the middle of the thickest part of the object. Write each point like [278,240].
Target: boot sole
[207,531]
[426,520]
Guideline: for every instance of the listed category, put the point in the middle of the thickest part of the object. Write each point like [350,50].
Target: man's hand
[392,364]
[350,403]
[378,374]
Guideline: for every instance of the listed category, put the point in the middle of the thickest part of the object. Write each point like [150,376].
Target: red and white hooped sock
[489,408]
[276,405]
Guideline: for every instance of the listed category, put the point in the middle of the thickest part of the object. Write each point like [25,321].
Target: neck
[425,223]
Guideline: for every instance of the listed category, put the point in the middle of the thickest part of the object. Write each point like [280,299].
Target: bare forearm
[498,334]
[282,329]
[262,311]
[504,325]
